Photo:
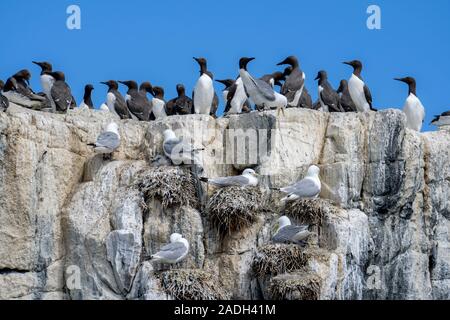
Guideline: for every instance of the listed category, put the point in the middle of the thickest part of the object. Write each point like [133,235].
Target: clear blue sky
[156,40]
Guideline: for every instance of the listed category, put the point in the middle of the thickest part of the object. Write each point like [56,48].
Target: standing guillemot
[295,82]
[4,102]
[115,101]
[20,84]
[181,105]
[305,99]
[87,98]
[329,99]
[442,120]
[230,97]
[203,95]
[136,101]
[61,93]
[159,104]
[359,91]
[145,88]
[47,80]
[414,110]
[259,91]
[345,99]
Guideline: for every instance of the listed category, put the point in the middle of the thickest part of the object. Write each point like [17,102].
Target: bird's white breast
[415,113]
[298,94]
[158,108]
[239,98]
[203,95]
[47,82]
[324,107]
[356,89]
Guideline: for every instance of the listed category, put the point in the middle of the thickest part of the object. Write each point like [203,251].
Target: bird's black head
[203,64]
[411,82]
[130,84]
[278,76]
[45,66]
[146,87]
[58,75]
[88,88]
[356,64]
[322,75]
[291,60]
[342,86]
[23,74]
[243,62]
[227,82]
[112,84]
[287,71]
[181,90]
[158,92]
[407,80]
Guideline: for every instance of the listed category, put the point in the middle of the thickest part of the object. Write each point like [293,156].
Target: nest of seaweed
[297,286]
[173,186]
[192,285]
[235,208]
[309,211]
[276,259]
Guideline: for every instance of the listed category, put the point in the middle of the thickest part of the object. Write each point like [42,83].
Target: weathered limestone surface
[73,226]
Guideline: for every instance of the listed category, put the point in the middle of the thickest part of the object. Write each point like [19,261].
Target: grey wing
[178,146]
[172,251]
[288,233]
[293,83]
[230,181]
[265,89]
[304,188]
[108,140]
[368,95]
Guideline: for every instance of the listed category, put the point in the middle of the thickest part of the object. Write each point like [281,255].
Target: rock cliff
[73,226]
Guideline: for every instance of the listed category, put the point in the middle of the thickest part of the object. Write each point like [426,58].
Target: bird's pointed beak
[317,78]
[104,83]
[282,63]
[347,63]
[399,79]
[36,63]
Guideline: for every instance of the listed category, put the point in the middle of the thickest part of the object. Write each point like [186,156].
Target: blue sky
[156,40]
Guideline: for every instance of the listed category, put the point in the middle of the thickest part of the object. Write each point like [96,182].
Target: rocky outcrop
[73,226]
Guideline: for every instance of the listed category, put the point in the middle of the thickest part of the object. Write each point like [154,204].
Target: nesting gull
[174,252]
[309,187]
[248,178]
[442,120]
[285,232]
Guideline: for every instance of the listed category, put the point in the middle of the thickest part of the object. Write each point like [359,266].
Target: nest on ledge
[192,285]
[295,286]
[235,208]
[173,186]
[309,211]
[275,259]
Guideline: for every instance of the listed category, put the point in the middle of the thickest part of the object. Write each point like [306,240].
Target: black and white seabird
[295,82]
[137,102]
[115,101]
[181,105]
[345,99]
[47,80]
[442,120]
[259,91]
[87,98]
[204,94]
[20,84]
[232,99]
[329,99]
[414,110]
[305,99]
[4,102]
[61,93]
[159,104]
[145,88]
[359,91]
